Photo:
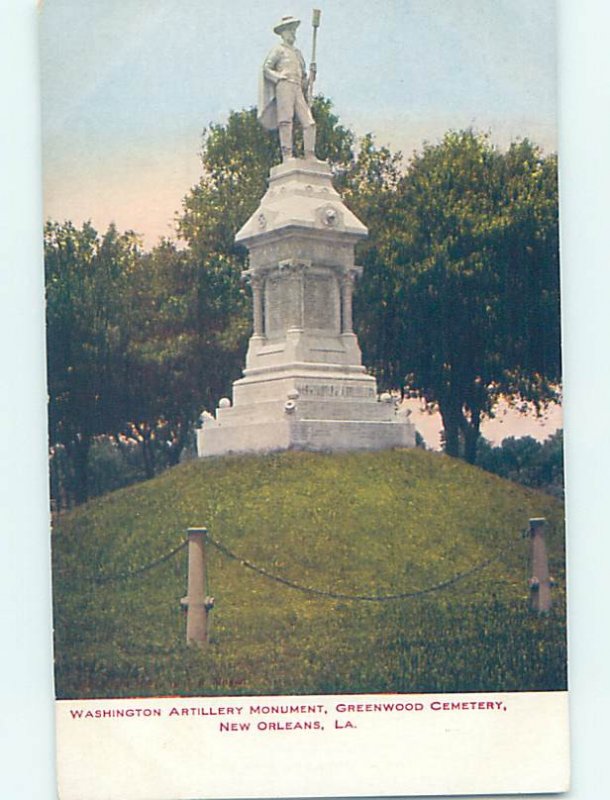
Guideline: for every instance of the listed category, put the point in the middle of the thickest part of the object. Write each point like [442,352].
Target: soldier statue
[286,91]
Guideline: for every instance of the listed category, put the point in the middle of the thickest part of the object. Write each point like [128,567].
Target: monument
[304,385]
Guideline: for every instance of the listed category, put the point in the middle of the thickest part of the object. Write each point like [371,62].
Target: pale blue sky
[128,85]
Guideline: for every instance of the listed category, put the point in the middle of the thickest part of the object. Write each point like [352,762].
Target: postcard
[305,398]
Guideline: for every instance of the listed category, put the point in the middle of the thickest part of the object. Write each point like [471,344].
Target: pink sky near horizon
[139,190]
[142,188]
[507,422]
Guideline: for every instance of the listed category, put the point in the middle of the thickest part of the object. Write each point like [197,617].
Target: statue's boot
[285,129]
[309,141]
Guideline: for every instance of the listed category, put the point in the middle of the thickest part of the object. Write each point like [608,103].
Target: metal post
[197,603]
[540,582]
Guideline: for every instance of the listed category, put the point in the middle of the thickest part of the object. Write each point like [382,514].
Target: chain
[300,587]
[368,598]
[119,576]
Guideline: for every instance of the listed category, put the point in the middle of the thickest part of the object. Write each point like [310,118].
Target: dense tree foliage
[526,461]
[87,279]
[460,298]
[137,342]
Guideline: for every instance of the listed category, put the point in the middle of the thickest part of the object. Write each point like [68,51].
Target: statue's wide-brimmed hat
[286,22]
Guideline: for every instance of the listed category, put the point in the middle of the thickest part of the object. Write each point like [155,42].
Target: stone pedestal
[303,385]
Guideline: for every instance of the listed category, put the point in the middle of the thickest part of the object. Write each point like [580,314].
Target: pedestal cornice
[301,197]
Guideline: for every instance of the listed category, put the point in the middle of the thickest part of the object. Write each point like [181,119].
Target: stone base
[306,412]
[304,385]
[315,435]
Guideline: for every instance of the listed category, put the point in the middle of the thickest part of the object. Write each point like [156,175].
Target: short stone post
[540,582]
[197,603]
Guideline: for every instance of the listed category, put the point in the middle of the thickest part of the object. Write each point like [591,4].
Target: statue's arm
[269,67]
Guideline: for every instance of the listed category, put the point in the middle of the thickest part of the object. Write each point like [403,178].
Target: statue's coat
[267,107]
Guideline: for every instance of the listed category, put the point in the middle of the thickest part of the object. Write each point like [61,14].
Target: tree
[371,191]
[526,461]
[460,298]
[86,290]
[185,334]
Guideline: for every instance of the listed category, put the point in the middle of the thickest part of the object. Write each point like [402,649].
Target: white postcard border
[366,745]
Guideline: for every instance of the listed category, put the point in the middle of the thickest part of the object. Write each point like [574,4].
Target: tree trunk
[148,455]
[175,451]
[78,452]
[471,431]
[451,417]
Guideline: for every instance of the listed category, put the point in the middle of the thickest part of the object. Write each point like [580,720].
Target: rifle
[315,21]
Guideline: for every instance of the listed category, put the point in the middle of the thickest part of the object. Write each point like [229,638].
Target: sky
[129,85]
[507,421]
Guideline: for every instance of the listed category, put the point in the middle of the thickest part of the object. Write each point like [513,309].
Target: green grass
[376,523]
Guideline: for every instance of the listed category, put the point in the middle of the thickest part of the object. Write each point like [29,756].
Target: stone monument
[304,385]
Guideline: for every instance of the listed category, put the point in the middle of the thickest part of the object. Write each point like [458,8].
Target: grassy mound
[356,523]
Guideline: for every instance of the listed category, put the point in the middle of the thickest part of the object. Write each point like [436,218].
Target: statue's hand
[312,71]
[273,76]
